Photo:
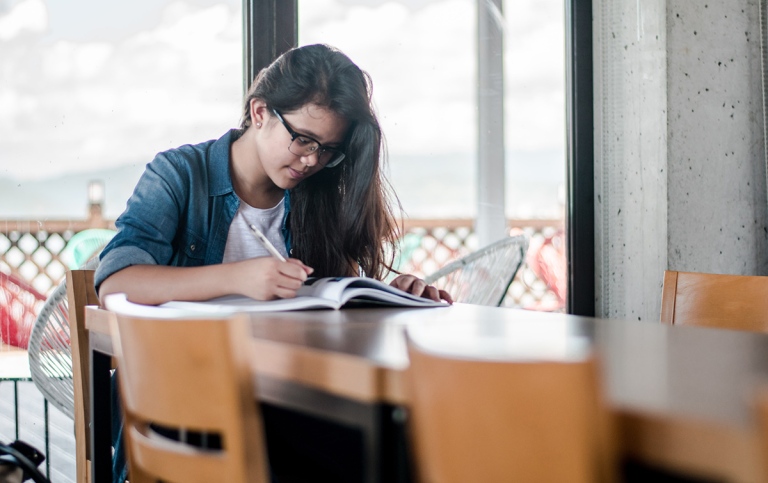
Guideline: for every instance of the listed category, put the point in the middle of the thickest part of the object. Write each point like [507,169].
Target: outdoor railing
[32,249]
[429,244]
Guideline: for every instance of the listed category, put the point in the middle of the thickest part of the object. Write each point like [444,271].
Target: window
[422,56]
[95,89]
[92,90]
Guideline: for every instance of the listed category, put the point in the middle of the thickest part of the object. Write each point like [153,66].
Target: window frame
[270,27]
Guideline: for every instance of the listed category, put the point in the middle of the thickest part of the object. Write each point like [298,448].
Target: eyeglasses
[302,145]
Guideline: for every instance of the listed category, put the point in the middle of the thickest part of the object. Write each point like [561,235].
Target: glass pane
[92,90]
[422,58]
[534,70]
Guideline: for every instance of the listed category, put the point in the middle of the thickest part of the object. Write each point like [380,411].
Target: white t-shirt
[242,245]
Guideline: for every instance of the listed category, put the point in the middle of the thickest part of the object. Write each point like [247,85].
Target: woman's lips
[296,174]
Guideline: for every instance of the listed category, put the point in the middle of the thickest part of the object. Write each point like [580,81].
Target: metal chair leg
[47,440]
[16,405]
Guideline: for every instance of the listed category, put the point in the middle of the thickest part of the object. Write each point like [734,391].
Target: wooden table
[682,396]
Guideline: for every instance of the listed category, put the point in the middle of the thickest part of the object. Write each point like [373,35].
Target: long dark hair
[341,217]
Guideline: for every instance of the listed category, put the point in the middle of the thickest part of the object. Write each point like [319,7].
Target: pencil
[264,241]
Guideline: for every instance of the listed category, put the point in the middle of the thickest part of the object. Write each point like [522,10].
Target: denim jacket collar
[221,180]
[218,168]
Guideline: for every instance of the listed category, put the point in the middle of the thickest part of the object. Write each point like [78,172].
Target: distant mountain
[444,186]
[67,196]
[428,186]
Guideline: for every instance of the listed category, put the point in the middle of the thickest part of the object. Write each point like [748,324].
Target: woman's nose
[309,160]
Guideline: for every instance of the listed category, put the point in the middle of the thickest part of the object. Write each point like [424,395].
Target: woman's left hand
[418,287]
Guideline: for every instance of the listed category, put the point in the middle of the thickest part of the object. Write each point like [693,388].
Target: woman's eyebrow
[308,133]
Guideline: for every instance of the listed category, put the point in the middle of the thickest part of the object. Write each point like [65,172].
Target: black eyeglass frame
[337,154]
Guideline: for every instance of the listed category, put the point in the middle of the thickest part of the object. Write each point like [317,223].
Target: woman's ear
[259,111]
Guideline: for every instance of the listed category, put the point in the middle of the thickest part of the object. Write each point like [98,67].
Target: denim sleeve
[118,259]
[147,228]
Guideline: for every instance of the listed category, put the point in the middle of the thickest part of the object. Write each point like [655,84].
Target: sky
[88,84]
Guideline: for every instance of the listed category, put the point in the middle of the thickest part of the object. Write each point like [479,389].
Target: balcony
[33,250]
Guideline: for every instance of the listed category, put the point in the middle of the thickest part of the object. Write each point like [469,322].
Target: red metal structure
[19,306]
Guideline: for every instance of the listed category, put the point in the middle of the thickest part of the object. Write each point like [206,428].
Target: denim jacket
[180,211]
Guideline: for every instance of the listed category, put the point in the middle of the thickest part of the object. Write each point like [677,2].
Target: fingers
[405,283]
[292,275]
[446,296]
[431,293]
[296,261]
[418,287]
[436,294]
[266,278]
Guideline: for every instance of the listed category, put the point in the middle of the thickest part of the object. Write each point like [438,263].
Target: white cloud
[25,16]
[421,63]
[71,106]
[68,106]
[12,104]
[69,61]
[424,69]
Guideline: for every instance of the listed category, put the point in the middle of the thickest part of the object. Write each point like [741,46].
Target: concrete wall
[717,195]
[680,168]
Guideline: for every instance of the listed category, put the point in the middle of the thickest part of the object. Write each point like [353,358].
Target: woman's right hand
[267,278]
[264,278]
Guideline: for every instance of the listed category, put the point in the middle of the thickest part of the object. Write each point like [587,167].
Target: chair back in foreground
[497,421]
[189,375]
[760,404]
[737,302]
[80,293]
[483,277]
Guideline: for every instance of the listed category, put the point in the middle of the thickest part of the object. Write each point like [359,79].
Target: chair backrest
[84,245]
[80,292]
[19,305]
[50,352]
[712,300]
[760,411]
[189,374]
[499,421]
[483,277]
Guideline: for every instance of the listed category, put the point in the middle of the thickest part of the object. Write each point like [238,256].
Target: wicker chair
[50,354]
[50,349]
[483,277]
[84,245]
[19,305]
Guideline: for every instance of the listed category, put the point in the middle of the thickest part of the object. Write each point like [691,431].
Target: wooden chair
[737,302]
[191,375]
[500,421]
[81,292]
[760,403]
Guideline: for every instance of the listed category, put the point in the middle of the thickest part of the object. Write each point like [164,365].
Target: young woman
[304,167]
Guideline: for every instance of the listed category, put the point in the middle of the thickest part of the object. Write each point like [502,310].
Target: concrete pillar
[630,152]
[680,163]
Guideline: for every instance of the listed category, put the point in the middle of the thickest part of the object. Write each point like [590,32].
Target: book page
[241,303]
[322,293]
[345,289]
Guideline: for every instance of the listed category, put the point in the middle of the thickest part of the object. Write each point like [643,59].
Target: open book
[319,293]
